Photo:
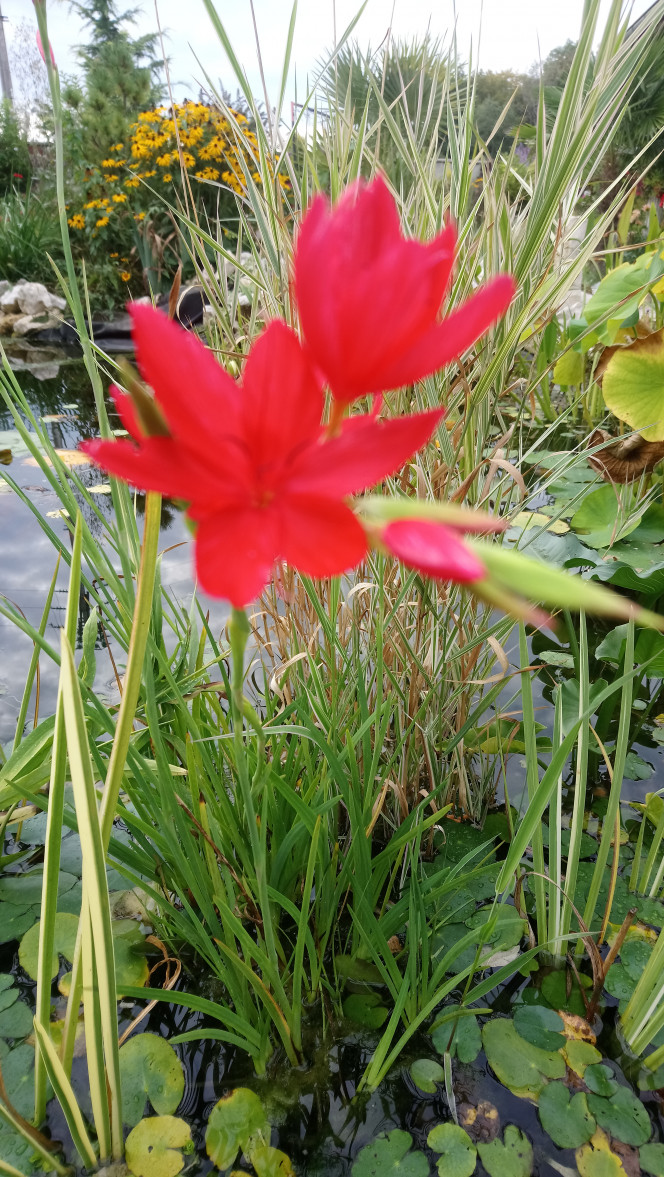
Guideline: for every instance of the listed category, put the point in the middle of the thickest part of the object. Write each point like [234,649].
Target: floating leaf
[651,1159]
[599,1078]
[539,1025]
[595,1159]
[236,1122]
[16,1022]
[149,1069]
[18,1076]
[65,928]
[15,920]
[601,519]
[153,1146]
[466,1041]
[566,1119]
[511,1157]
[579,1055]
[271,1162]
[623,1115]
[390,1153]
[426,1073]
[457,1152]
[366,1009]
[568,370]
[554,985]
[522,1067]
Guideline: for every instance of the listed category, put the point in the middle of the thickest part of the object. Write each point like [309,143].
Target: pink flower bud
[41,50]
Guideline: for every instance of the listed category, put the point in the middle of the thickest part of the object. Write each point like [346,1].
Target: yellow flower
[77,221]
[125,275]
[164,160]
[139,216]
[108,163]
[110,179]
[133,183]
[148,175]
[117,147]
[208,174]
[93,204]
[188,159]
[114,255]
[102,222]
[167,177]
[119,197]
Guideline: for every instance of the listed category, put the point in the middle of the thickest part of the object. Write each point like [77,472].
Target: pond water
[317,1117]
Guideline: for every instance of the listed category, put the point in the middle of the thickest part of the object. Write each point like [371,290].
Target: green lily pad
[554,988]
[154,1147]
[623,1115]
[580,1055]
[15,920]
[131,966]
[600,520]
[522,1067]
[391,1152]
[271,1162]
[510,1157]
[149,1069]
[18,1152]
[466,1041]
[366,1009]
[16,1022]
[236,1123]
[426,1073]
[566,1119]
[651,1159]
[633,386]
[458,1154]
[634,956]
[599,1078]
[509,927]
[27,888]
[64,942]
[18,1067]
[8,991]
[539,1025]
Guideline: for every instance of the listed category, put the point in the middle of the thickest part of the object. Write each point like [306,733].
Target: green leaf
[16,1022]
[629,279]
[237,1122]
[64,943]
[633,386]
[599,1078]
[651,1159]
[569,369]
[149,1069]
[390,1153]
[595,1159]
[457,1151]
[540,1026]
[566,1119]
[511,1157]
[580,1054]
[366,1009]
[466,1043]
[15,920]
[554,987]
[522,1067]
[601,519]
[18,1073]
[271,1162]
[623,1115]
[426,1073]
[153,1147]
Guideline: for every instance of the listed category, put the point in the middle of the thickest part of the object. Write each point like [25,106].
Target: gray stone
[35,299]
[4,286]
[27,323]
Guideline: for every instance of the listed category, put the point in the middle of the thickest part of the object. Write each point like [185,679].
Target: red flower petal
[449,339]
[320,537]
[366,451]
[282,397]
[199,400]
[235,553]
[433,549]
[126,412]
[158,464]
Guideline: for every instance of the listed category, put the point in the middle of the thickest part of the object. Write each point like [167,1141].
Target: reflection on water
[58,391]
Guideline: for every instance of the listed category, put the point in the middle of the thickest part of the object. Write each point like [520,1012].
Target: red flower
[369,300]
[433,549]
[262,479]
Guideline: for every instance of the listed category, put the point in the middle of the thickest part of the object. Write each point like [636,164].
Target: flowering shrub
[122,196]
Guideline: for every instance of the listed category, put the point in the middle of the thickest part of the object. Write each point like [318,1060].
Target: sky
[502,34]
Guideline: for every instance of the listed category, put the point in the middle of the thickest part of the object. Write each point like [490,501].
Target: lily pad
[458,1154]
[18,1074]
[595,1158]
[540,1026]
[271,1162]
[522,1067]
[64,942]
[390,1153]
[554,985]
[601,520]
[623,1115]
[510,1157]
[15,920]
[633,386]
[466,1041]
[426,1073]
[236,1123]
[599,1079]
[566,1118]
[16,1022]
[580,1055]
[149,1069]
[366,1009]
[154,1147]
[651,1159]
